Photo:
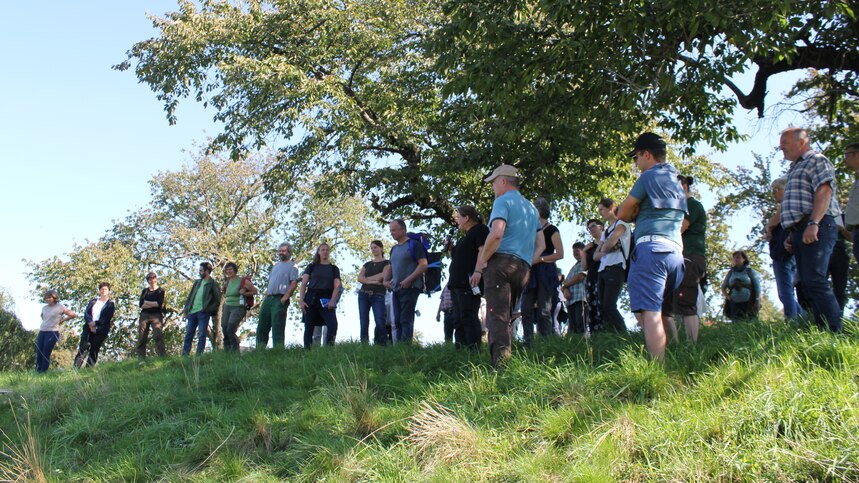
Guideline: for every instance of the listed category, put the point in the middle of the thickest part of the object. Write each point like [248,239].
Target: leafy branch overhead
[408,103]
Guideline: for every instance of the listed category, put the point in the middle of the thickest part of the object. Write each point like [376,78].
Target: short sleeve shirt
[662,201]
[577,290]
[403,263]
[695,237]
[51,315]
[620,254]
[321,277]
[464,256]
[808,173]
[282,276]
[523,223]
[374,268]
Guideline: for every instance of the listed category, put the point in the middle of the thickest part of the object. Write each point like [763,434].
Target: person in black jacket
[151,316]
[97,322]
[203,303]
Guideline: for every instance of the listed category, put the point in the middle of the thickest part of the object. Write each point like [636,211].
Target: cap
[503,170]
[647,140]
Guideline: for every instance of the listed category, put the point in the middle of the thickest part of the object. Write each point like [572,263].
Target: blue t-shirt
[662,202]
[523,223]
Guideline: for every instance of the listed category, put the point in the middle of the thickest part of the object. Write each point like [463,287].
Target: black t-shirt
[548,232]
[374,268]
[156,295]
[464,256]
[321,276]
[593,265]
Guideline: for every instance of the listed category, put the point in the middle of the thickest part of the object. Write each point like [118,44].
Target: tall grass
[754,401]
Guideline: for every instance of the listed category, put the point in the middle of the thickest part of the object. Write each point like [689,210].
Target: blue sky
[79,141]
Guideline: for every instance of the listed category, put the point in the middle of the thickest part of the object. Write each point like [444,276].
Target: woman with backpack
[238,299]
[320,289]
[741,289]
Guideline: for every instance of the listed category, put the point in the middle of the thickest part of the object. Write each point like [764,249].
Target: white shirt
[616,257]
[96,309]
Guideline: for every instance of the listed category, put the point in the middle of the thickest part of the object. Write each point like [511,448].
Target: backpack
[250,300]
[432,276]
[626,256]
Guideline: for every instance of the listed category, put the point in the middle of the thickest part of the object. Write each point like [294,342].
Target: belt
[656,238]
[279,295]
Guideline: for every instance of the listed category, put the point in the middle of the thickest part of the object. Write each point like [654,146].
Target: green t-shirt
[695,237]
[232,297]
[197,306]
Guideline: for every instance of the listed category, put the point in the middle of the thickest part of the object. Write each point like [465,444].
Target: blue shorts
[656,271]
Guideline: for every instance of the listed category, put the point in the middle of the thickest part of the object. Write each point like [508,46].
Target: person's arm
[725,292]
[559,249]
[361,278]
[419,270]
[629,209]
[539,247]
[756,283]
[249,287]
[822,195]
[493,241]
[290,290]
[335,294]
[304,280]
[69,315]
[612,240]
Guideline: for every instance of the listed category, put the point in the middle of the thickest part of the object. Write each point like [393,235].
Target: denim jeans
[466,306]
[784,272]
[366,302]
[45,343]
[611,283]
[405,301]
[812,262]
[839,265]
[856,243]
[197,322]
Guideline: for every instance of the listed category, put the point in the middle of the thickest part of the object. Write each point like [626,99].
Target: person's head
[284,252]
[607,209]
[686,182]
[578,247]
[778,186]
[595,228]
[322,253]
[151,277]
[399,229]
[542,208]
[51,297]
[794,143]
[467,216]
[103,289]
[205,269]
[504,178]
[740,259]
[649,150]
[231,269]
[376,248]
[851,156]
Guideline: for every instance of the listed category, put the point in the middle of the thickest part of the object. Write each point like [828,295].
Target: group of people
[511,263]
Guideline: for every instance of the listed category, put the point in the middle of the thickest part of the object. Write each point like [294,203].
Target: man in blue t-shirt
[408,264]
[657,204]
[513,242]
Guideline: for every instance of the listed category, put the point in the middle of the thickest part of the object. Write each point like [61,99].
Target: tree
[213,209]
[17,344]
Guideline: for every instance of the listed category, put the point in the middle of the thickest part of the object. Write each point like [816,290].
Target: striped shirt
[577,290]
[808,173]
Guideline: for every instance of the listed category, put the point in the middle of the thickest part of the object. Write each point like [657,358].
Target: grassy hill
[752,402]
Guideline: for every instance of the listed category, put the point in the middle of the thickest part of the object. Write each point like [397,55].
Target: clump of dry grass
[21,461]
[440,438]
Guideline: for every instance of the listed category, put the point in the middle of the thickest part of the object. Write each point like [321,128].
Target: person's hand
[475,279]
[284,300]
[405,283]
[388,285]
[332,304]
[438,317]
[303,305]
[788,245]
[92,327]
[809,236]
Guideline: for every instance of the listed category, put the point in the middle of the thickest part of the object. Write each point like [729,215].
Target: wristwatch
[812,222]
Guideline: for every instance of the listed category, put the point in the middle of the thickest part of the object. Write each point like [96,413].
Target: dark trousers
[89,346]
[610,286]
[856,243]
[405,301]
[466,306]
[366,302]
[45,343]
[576,311]
[316,316]
[155,322]
[272,318]
[537,309]
[448,318]
[231,318]
[504,278]
[839,265]
[812,262]
[594,305]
